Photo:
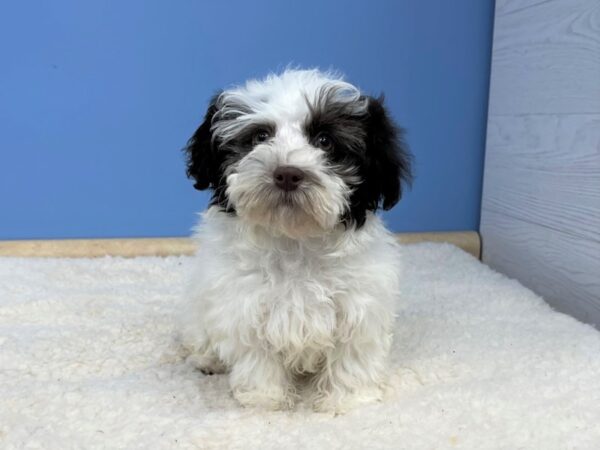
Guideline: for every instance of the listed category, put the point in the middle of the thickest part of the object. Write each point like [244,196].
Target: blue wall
[97,98]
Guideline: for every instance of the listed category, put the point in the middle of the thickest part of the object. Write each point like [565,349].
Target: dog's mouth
[289,200]
[295,214]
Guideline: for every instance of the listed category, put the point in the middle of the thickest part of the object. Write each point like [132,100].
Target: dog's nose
[288,178]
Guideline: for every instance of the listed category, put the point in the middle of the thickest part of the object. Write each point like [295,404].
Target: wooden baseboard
[131,247]
[469,241]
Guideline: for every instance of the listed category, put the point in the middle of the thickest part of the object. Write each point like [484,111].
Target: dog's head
[299,153]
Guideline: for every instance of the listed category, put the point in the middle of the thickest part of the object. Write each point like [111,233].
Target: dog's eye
[261,136]
[324,141]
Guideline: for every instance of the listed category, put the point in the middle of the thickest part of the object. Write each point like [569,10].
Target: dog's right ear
[201,157]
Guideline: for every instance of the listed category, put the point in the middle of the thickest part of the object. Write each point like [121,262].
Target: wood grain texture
[540,219]
[563,268]
[546,170]
[91,248]
[545,57]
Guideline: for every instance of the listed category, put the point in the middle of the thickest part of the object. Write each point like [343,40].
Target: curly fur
[294,290]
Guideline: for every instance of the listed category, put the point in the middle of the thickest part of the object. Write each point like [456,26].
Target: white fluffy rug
[88,359]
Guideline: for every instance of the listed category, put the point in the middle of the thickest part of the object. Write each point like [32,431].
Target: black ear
[201,157]
[389,159]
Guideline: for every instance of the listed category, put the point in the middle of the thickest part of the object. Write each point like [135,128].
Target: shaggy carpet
[89,359]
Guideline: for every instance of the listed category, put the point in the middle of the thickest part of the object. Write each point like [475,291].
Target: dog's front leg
[258,378]
[354,371]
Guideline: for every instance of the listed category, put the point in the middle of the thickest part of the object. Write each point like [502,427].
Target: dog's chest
[300,307]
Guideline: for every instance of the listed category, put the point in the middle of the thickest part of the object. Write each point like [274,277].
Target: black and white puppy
[296,275]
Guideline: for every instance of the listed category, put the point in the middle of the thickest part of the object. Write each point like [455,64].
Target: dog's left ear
[200,151]
[389,157]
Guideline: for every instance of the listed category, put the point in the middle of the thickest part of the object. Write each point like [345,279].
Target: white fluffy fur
[272,308]
[283,99]
[316,207]
[285,296]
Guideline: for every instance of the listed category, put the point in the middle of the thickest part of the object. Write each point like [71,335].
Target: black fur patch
[201,153]
[207,157]
[370,143]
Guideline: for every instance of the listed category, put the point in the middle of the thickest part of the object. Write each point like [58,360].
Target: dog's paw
[342,402]
[208,365]
[272,399]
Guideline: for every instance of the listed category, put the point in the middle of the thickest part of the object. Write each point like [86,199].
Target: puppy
[295,276]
